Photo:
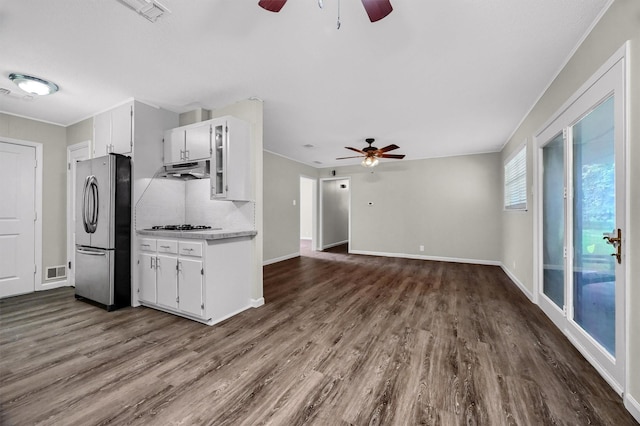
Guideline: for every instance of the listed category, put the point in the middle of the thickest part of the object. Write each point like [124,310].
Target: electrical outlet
[421,248]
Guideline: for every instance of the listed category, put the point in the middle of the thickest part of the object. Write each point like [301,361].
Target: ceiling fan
[376,9]
[372,154]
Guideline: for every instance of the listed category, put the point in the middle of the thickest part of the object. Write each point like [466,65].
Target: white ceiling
[437,78]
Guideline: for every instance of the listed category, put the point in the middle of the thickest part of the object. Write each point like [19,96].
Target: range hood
[186,171]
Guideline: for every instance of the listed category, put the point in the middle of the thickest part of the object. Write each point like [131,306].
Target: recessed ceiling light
[33,85]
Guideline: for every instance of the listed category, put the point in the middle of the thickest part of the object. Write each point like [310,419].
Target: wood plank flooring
[342,340]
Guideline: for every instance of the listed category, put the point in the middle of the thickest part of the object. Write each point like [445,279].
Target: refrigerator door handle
[93,222]
[91,252]
[85,205]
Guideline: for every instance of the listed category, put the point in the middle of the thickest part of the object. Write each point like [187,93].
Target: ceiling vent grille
[150,9]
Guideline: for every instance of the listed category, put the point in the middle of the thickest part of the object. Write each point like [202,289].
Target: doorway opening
[308,215]
[335,213]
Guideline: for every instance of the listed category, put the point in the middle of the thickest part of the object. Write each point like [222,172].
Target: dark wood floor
[342,340]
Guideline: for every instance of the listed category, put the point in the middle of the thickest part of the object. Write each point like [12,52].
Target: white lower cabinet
[190,289]
[171,275]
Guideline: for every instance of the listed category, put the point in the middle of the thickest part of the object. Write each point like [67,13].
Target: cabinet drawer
[147,244]
[167,246]
[190,249]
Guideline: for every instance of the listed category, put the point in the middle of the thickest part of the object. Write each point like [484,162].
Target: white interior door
[75,153]
[17,219]
[582,222]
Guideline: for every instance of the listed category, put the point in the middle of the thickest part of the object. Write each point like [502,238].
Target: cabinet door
[198,143]
[101,134]
[218,162]
[147,277]
[174,146]
[167,279]
[238,185]
[190,281]
[122,129]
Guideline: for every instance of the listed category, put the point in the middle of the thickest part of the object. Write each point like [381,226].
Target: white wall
[281,216]
[620,23]
[452,206]
[335,212]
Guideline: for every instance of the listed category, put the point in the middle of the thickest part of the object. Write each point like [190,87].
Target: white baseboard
[422,257]
[339,243]
[256,303]
[281,258]
[632,406]
[52,285]
[517,282]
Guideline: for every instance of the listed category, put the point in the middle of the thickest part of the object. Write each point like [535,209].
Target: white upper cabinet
[188,143]
[174,146]
[231,160]
[113,131]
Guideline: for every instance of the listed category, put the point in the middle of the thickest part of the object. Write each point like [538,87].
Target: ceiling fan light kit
[370,162]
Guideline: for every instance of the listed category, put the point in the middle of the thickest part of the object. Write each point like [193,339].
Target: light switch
[294,202]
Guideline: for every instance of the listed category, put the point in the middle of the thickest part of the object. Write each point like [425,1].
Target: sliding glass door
[581,222]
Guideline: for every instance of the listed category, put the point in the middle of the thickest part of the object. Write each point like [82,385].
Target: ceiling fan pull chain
[338,24]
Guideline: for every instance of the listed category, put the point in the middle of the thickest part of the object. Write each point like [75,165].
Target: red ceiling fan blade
[398,156]
[272,5]
[344,158]
[389,148]
[356,150]
[377,9]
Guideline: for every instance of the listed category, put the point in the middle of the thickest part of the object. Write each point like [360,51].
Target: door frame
[540,140]
[38,273]
[70,195]
[320,241]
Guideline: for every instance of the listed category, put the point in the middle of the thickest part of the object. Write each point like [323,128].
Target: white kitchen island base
[204,279]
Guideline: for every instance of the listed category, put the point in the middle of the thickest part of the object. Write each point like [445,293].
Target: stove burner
[184,227]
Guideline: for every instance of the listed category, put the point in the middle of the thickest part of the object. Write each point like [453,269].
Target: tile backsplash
[168,201]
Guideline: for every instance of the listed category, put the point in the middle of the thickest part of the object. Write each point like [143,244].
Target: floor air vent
[54,272]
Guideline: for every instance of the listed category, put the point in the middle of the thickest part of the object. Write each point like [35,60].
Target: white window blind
[515,181]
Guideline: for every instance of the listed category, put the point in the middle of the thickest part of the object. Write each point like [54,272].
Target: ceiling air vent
[4,91]
[150,9]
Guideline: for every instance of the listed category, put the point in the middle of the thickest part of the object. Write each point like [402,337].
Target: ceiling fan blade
[344,158]
[398,156]
[356,150]
[272,5]
[377,9]
[389,148]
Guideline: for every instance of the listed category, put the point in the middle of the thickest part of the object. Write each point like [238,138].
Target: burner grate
[183,227]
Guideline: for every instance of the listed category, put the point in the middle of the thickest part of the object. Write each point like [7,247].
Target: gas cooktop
[183,227]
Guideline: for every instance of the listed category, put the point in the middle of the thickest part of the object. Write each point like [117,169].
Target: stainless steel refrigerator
[103,231]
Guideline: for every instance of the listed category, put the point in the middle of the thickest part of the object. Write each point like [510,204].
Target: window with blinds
[515,181]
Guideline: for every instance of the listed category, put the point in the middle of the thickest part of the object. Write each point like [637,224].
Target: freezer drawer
[95,275]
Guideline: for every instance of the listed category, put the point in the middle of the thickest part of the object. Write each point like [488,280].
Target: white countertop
[208,234]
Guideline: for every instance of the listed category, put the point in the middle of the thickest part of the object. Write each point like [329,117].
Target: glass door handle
[616,242]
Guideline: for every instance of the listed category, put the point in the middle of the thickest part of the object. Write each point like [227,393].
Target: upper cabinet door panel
[198,142]
[101,134]
[174,146]
[122,129]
